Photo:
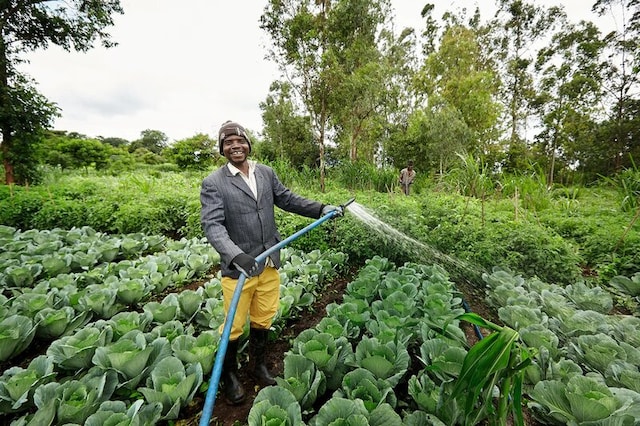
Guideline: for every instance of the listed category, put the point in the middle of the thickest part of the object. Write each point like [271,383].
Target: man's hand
[245,264]
[329,208]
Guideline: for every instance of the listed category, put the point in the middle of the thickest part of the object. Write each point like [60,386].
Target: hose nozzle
[344,206]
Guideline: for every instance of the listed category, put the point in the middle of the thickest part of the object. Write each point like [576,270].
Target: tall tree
[358,71]
[288,135]
[519,25]
[196,152]
[622,78]
[298,34]
[30,25]
[151,140]
[458,76]
[568,94]
[328,50]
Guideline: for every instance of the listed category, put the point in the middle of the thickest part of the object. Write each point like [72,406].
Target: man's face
[235,149]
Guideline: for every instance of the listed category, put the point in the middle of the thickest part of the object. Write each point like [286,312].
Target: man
[238,220]
[407,175]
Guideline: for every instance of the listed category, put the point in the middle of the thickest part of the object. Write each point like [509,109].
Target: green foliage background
[571,232]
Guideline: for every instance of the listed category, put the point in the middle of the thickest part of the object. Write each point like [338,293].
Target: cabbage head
[18,384]
[75,352]
[362,384]
[341,411]
[132,357]
[202,349]
[53,323]
[16,334]
[275,406]
[172,385]
[388,361]
[73,401]
[302,379]
[116,413]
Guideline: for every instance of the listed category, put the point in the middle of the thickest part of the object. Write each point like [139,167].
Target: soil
[236,415]
[230,415]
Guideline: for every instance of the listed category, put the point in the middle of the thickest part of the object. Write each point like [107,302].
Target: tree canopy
[527,87]
[27,26]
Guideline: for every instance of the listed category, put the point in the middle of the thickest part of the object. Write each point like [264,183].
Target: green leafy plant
[584,400]
[101,300]
[18,384]
[202,349]
[330,355]
[53,323]
[75,352]
[164,311]
[16,333]
[442,359]
[124,322]
[190,302]
[630,286]
[303,380]
[275,405]
[344,411]
[116,413]
[388,361]
[362,384]
[132,357]
[172,385]
[21,275]
[497,361]
[73,401]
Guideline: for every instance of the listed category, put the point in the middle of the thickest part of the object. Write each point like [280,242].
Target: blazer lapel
[238,182]
[260,183]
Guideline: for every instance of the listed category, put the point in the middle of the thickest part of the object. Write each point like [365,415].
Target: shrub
[59,213]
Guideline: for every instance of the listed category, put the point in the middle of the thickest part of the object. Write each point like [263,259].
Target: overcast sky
[183,69]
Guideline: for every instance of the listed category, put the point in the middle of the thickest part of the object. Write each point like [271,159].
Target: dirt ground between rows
[227,415]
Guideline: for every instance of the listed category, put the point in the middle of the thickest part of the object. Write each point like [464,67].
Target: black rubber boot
[231,386]
[257,347]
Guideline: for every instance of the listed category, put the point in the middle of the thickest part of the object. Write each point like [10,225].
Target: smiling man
[238,220]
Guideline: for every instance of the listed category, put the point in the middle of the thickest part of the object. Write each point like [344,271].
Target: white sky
[184,70]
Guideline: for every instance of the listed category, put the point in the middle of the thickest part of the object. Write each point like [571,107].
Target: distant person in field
[407,176]
[237,217]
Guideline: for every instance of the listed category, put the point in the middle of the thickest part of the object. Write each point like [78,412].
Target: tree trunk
[5,126]
[8,167]
[353,148]
[323,126]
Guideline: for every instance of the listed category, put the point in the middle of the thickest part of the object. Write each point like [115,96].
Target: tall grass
[529,188]
[627,184]
[471,177]
[365,176]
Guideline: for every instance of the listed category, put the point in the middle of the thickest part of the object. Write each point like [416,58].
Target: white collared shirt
[251,179]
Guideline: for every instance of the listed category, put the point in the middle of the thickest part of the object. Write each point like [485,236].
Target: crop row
[586,369]
[47,305]
[359,364]
[144,360]
[392,354]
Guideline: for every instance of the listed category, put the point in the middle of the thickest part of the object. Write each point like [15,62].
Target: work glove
[245,264]
[329,208]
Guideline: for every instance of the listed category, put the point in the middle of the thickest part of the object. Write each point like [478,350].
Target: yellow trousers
[259,300]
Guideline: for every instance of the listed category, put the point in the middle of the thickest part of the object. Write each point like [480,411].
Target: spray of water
[420,252]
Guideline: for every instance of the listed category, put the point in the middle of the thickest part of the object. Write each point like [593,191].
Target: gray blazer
[235,222]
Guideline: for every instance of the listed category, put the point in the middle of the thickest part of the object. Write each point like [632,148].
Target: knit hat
[230,128]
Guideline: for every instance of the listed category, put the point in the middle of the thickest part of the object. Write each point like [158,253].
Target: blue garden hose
[210,399]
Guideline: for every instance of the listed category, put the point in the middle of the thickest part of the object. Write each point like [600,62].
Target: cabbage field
[118,338]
